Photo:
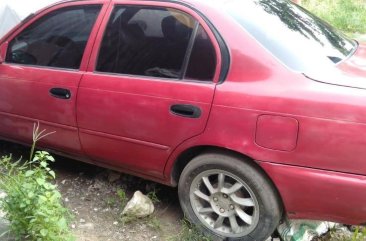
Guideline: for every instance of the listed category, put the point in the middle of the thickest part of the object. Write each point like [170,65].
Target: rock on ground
[139,206]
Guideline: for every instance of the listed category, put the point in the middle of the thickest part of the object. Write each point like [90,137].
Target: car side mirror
[3,49]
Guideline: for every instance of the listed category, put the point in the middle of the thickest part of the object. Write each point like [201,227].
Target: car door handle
[189,111]
[60,93]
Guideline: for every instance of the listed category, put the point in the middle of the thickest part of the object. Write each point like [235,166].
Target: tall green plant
[32,203]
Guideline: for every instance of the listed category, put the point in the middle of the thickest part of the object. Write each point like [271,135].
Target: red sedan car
[255,109]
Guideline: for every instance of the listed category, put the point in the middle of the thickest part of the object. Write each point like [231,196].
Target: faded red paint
[277,132]
[123,122]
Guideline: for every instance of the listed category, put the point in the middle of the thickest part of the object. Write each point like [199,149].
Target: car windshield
[296,37]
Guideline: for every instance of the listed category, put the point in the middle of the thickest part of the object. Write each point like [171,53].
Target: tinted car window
[202,61]
[145,41]
[56,40]
[299,39]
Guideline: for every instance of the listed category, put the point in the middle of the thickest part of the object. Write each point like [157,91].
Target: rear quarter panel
[329,153]
[331,119]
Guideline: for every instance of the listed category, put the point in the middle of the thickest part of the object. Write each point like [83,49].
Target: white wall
[8,19]
[13,11]
[25,7]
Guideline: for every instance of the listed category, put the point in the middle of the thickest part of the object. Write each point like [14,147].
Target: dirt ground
[90,193]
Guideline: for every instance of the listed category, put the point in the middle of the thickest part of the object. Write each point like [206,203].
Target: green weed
[153,222]
[153,197]
[111,202]
[32,204]
[359,234]
[346,15]
[122,197]
[189,232]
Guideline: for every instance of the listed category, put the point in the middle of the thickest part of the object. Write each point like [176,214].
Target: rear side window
[56,40]
[300,40]
[148,41]
[202,61]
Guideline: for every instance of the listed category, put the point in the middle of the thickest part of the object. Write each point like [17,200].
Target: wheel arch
[187,155]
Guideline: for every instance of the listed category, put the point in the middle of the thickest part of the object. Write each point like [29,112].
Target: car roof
[188,2]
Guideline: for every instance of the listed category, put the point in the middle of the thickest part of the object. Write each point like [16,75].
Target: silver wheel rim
[224,203]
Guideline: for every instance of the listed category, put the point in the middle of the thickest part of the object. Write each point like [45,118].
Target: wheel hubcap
[224,203]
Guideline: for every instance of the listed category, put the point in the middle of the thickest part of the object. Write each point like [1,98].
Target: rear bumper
[319,195]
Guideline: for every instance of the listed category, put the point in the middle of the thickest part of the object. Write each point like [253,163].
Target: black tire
[269,206]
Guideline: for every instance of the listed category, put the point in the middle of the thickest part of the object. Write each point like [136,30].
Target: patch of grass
[111,202]
[122,197]
[119,198]
[150,221]
[189,232]
[33,204]
[346,15]
[153,222]
[153,197]
[127,219]
[359,234]
[338,234]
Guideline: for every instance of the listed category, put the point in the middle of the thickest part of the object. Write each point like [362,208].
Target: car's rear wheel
[229,198]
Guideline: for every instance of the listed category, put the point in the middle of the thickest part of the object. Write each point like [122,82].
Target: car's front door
[149,86]
[43,66]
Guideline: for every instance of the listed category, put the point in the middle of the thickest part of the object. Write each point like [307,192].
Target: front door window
[55,40]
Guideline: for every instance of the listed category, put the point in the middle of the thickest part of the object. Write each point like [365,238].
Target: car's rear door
[149,85]
[40,76]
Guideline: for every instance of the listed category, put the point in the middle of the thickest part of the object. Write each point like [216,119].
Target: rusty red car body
[306,133]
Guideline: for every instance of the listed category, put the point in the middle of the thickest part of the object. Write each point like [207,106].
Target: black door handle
[60,93]
[189,111]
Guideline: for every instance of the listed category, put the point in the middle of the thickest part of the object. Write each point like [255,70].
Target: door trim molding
[125,139]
